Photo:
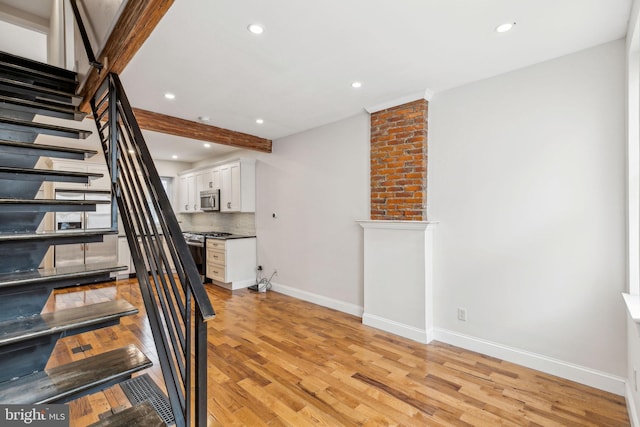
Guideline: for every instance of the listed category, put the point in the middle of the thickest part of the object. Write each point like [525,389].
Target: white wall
[527,179]
[317,183]
[633,207]
[23,42]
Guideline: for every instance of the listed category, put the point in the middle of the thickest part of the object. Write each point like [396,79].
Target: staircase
[28,337]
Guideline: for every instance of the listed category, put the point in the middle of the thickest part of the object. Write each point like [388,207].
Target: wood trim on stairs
[136,23]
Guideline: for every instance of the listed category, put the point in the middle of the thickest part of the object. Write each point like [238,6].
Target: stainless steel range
[196,241]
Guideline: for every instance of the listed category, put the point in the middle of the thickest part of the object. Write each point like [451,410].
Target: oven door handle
[196,244]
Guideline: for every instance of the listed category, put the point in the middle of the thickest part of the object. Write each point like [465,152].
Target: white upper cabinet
[236,181]
[238,186]
[186,193]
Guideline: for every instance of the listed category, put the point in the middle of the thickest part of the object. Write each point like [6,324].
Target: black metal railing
[176,302]
[85,37]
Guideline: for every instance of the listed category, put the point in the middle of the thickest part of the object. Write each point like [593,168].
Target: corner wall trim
[631,406]
[322,300]
[406,331]
[581,374]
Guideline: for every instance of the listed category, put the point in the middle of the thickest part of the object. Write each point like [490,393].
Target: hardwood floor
[275,360]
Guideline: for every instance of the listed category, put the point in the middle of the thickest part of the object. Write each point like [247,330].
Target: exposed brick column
[399,162]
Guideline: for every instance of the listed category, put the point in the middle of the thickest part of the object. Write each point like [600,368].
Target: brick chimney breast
[399,162]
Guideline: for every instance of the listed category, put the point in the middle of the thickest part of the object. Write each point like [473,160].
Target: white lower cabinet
[231,263]
[124,257]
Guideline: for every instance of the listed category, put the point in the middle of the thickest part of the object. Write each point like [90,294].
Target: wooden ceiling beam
[136,23]
[188,129]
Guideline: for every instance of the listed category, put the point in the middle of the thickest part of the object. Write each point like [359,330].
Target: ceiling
[39,8]
[297,75]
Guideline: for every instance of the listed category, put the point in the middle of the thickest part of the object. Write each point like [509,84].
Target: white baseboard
[335,304]
[580,374]
[631,406]
[397,328]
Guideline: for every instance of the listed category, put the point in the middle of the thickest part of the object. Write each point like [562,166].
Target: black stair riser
[27,112]
[18,359]
[32,149]
[33,93]
[28,76]
[27,255]
[12,189]
[30,207]
[5,111]
[18,135]
[25,358]
[36,153]
[27,299]
[59,384]
[51,71]
[23,302]
[23,222]
[7,125]
[11,176]
[17,160]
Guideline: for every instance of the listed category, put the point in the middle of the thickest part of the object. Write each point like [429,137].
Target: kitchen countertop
[232,236]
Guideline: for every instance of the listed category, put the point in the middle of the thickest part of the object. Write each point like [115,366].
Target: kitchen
[230,249]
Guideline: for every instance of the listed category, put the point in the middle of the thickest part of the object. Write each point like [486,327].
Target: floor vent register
[142,388]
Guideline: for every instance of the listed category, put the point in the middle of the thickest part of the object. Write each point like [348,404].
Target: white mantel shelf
[396,225]
[633,306]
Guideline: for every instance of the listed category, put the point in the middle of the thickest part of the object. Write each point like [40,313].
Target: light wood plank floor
[275,360]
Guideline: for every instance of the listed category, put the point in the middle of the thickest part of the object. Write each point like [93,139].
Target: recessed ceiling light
[204,118]
[259,121]
[505,27]
[256,28]
[206,145]
[356,85]
[132,151]
[169,95]
[174,157]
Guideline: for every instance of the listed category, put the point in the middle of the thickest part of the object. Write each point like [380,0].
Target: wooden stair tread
[17,330]
[57,383]
[52,202]
[49,172]
[81,133]
[140,415]
[47,150]
[5,237]
[49,205]
[57,273]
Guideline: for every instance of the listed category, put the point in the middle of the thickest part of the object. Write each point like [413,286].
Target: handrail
[177,304]
[85,38]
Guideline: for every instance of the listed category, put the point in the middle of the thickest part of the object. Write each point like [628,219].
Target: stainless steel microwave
[210,200]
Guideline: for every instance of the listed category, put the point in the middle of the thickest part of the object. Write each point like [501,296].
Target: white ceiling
[39,8]
[297,74]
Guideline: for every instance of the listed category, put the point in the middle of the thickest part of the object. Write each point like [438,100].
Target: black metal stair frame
[28,336]
[177,304]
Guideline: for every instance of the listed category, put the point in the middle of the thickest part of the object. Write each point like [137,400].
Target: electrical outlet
[462,314]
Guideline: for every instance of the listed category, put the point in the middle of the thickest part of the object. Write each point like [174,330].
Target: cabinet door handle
[215,256]
[186,207]
[229,205]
